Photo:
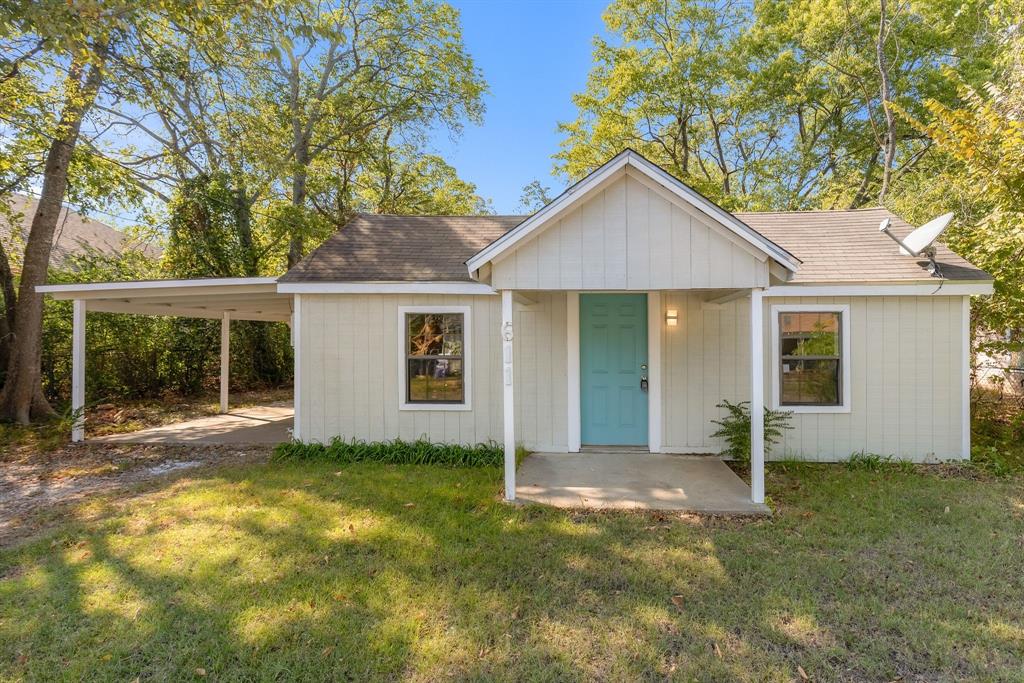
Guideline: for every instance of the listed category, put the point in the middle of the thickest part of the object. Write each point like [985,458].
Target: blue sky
[534,56]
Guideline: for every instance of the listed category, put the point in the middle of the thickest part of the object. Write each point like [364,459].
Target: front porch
[621,480]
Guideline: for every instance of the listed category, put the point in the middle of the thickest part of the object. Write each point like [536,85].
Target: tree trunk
[296,246]
[22,397]
[889,144]
[10,299]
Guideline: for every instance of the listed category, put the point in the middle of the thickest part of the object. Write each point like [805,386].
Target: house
[75,234]
[621,313]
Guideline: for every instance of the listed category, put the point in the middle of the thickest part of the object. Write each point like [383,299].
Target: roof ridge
[445,215]
[862,208]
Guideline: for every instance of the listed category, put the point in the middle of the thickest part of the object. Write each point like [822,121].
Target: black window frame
[838,358]
[461,358]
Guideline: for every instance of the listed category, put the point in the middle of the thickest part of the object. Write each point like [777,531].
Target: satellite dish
[920,241]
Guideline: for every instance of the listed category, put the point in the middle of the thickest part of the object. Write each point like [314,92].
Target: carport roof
[250,298]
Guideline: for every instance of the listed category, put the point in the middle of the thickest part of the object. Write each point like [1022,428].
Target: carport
[224,299]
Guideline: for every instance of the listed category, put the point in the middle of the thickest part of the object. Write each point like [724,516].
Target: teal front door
[613,359]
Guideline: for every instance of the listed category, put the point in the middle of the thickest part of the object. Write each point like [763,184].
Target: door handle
[643,378]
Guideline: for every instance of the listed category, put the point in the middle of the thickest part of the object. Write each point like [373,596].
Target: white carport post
[225,359]
[756,396]
[509,405]
[78,369]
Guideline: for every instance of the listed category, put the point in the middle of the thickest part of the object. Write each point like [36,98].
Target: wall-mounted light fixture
[672,317]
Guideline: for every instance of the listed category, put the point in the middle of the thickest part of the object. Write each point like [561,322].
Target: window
[811,346]
[434,358]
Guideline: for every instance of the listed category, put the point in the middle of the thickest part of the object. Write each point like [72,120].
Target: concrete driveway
[639,481]
[255,425]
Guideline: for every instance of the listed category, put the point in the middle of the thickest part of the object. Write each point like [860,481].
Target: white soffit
[240,298]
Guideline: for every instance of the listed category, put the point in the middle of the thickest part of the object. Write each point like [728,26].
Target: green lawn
[285,571]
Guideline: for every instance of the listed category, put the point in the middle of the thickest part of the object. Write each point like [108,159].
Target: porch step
[615,449]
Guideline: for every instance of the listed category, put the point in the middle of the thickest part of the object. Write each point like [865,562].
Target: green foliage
[773,104]
[396,452]
[137,356]
[735,429]
[535,197]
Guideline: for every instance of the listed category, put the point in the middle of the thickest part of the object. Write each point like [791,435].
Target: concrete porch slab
[635,481]
[257,425]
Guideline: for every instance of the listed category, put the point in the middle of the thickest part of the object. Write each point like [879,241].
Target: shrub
[735,429]
[397,452]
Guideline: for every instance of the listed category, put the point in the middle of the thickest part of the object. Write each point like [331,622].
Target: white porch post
[756,396]
[225,359]
[509,405]
[78,369]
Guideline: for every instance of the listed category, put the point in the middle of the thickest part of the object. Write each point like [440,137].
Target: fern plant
[735,429]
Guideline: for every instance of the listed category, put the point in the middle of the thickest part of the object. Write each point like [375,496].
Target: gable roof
[634,160]
[846,246]
[75,233]
[834,246]
[388,248]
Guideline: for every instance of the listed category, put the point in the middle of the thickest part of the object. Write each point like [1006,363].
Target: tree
[773,104]
[22,396]
[76,42]
[535,197]
[985,139]
[338,73]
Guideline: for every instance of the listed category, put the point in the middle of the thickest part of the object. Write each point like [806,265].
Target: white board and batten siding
[906,372]
[351,373]
[631,236]
[907,389]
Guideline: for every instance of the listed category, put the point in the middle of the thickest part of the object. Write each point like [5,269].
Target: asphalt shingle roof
[834,246]
[387,248]
[75,233]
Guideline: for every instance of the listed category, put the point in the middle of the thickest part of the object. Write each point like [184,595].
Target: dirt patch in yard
[47,483]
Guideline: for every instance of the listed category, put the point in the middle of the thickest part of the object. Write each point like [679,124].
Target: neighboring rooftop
[834,246]
[75,233]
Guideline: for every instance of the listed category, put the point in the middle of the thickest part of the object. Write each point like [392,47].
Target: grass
[311,570]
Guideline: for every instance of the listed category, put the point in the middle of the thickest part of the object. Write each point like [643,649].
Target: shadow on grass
[383,572]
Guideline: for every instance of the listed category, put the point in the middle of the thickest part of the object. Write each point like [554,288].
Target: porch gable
[631,226]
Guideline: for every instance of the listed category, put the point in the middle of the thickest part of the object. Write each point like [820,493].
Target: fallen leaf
[946,511]
[337,474]
[107,657]
[677,600]
[327,651]
[352,528]
[718,651]
[341,597]
[200,671]
[412,505]
[800,670]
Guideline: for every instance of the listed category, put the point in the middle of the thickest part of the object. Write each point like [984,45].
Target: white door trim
[965,379]
[572,337]
[654,372]
[572,346]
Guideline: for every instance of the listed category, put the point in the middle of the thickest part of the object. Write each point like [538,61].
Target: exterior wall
[631,236]
[704,359]
[541,388]
[906,364]
[350,375]
[906,356]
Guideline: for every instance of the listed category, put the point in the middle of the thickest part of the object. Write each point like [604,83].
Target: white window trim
[467,359]
[845,356]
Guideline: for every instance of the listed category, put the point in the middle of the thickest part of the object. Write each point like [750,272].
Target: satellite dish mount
[920,242]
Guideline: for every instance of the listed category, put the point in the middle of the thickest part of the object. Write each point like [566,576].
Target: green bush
[397,452]
[735,429]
